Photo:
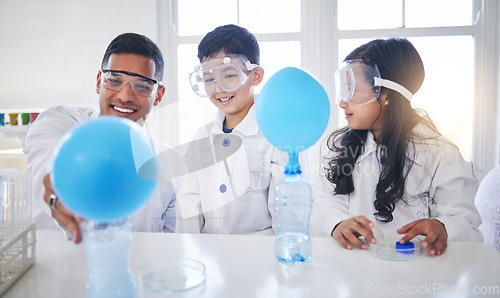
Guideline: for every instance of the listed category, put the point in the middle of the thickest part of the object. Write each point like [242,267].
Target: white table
[245,266]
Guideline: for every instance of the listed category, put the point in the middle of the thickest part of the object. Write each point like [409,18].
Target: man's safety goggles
[359,83]
[117,79]
[229,74]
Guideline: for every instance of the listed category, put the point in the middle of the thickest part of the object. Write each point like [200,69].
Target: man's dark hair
[132,43]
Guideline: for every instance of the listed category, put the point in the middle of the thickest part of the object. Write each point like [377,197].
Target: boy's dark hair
[132,43]
[230,39]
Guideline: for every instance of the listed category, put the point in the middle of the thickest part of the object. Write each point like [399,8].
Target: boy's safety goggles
[117,79]
[359,83]
[229,73]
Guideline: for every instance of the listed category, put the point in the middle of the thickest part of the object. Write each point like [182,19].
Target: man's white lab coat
[157,215]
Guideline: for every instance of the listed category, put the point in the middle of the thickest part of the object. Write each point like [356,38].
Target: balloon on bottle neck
[292,167]
[292,112]
[105,178]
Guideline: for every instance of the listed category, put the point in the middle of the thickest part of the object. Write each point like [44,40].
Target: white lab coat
[239,198]
[488,204]
[157,215]
[440,185]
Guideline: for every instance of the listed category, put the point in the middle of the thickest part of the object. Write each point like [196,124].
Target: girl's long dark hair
[399,62]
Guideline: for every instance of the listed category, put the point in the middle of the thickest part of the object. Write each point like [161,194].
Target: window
[451,45]
[456,47]
[277,29]
[448,57]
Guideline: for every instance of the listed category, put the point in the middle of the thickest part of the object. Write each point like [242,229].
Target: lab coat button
[222,188]
[226,142]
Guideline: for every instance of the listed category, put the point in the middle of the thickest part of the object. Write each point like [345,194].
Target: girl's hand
[348,232]
[432,228]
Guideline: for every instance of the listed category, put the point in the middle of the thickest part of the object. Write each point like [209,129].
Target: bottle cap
[406,248]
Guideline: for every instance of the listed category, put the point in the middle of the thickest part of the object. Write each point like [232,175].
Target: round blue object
[406,248]
[222,188]
[292,110]
[104,169]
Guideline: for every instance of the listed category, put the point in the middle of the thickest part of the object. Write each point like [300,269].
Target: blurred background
[51,50]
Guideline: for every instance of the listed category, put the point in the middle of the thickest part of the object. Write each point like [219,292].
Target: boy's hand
[432,228]
[349,231]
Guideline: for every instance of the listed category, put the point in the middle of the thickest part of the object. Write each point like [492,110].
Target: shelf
[15,131]
[14,128]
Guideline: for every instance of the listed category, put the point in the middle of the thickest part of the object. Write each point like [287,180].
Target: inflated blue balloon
[104,169]
[292,110]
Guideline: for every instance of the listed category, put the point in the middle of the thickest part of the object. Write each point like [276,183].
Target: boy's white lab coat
[157,215]
[235,196]
[440,185]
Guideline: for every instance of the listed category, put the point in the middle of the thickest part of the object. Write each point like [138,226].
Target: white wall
[51,50]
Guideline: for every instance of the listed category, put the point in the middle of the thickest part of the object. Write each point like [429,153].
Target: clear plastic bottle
[107,246]
[292,207]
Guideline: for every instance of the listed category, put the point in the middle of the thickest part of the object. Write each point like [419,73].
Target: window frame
[319,37]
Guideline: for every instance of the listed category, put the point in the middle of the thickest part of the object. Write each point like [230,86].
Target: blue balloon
[292,110]
[104,169]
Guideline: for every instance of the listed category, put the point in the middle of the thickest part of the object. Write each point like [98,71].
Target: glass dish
[171,275]
[390,249]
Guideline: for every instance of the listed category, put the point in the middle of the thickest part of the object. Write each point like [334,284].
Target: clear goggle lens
[141,86]
[355,83]
[359,83]
[229,74]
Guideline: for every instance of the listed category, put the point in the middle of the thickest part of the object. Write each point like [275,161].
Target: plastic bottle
[107,246]
[292,207]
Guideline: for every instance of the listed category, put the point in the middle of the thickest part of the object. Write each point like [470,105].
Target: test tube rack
[17,250]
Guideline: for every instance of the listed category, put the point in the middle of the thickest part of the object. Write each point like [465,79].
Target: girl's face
[368,116]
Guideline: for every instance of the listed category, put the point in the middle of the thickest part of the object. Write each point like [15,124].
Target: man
[129,85]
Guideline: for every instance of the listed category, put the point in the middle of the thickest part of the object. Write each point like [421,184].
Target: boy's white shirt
[247,205]
[440,185]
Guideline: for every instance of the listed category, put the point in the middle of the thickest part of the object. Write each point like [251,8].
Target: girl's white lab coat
[157,215]
[440,185]
[235,196]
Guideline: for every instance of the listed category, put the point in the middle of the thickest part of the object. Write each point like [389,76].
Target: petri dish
[390,249]
[171,275]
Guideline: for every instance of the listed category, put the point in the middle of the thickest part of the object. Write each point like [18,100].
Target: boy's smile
[225,100]
[235,104]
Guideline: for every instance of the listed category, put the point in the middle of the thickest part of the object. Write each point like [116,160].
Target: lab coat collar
[370,146]
[248,126]
[422,134]
[426,140]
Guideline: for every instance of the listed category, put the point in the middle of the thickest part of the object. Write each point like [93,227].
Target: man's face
[125,103]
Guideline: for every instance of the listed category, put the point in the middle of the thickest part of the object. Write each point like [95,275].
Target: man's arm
[41,140]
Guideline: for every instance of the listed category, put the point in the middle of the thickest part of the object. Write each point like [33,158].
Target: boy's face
[126,103]
[234,104]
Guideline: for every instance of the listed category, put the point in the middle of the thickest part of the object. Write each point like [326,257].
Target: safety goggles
[359,83]
[117,79]
[229,74]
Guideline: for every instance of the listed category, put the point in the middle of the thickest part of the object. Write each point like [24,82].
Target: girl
[390,169]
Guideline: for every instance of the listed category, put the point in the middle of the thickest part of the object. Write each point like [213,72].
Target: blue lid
[406,248]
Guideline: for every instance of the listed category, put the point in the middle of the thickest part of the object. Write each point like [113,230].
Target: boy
[233,194]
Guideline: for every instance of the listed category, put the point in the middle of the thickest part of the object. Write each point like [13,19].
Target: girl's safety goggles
[229,74]
[359,83]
